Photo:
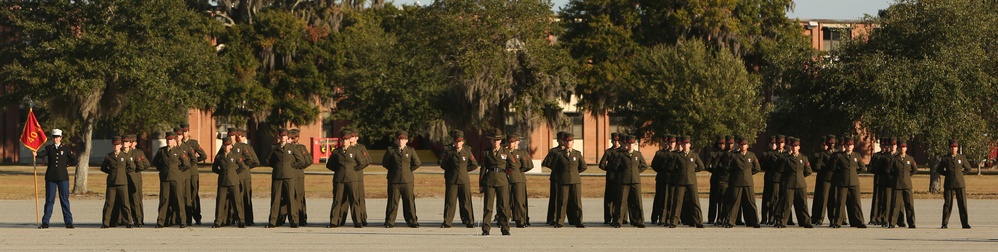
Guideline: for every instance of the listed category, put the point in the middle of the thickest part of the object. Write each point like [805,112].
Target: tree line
[703,68]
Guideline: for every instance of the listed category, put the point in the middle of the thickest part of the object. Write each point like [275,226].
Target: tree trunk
[80,183]
[935,185]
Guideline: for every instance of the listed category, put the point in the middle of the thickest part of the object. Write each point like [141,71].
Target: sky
[806,9]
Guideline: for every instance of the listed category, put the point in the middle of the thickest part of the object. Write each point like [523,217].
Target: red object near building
[322,146]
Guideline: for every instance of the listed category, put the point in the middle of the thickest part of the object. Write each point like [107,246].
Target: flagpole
[34,163]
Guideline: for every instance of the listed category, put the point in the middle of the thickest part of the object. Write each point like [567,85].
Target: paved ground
[18,232]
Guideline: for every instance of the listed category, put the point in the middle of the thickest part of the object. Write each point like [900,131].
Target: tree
[605,34]
[497,57]
[692,90]
[97,60]
[927,72]
[387,85]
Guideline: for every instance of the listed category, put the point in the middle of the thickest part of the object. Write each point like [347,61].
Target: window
[614,123]
[576,126]
[833,37]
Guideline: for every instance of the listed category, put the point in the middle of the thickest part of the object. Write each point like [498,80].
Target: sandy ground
[18,232]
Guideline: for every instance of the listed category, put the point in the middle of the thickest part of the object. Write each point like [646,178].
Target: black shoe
[639,225]
[470,225]
[414,225]
[44,225]
[358,226]
[911,226]
[558,225]
[861,226]
[891,226]
[653,222]
[791,223]
[485,233]
[606,222]
[739,223]
[728,226]
[672,226]
[293,225]
[615,225]
[808,226]
[709,223]
[70,226]
[128,225]
[580,225]
[364,223]
[944,226]
[699,225]
[241,225]
[159,226]
[444,226]
[331,226]
[757,226]
[966,227]
[387,225]
[902,225]
[216,226]
[270,226]
[505,232]
[104,226]
[197,222]
[520,226]
[183,225]
[528,223]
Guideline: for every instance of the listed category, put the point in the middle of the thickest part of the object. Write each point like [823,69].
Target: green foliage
[926,72]
[136,65]
[385,86]
[691,90]
[98,60]
[498,59]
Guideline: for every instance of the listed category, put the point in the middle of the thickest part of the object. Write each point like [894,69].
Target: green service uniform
[770,187]
[304,162]
[628,167]
[566,164]
[552,191]
[172,164]
[228,166]
[116,205]
[899,175]
[400,163]
[845,178]
[822,186]
[495,187]
[520,163]
[138,163]
[794,169]
[714,202]
[282,159]
[685,194]
[741,188]
[660,163]
[194,184]
[348,164]
[456,165]
[878,202]
[246,179]
[611,187]
[953,167]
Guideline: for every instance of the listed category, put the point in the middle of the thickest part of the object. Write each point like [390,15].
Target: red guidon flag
[33,136]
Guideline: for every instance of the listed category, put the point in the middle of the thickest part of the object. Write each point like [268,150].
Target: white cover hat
[56,132]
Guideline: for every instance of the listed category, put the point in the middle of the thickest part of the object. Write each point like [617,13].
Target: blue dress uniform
[57,158]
